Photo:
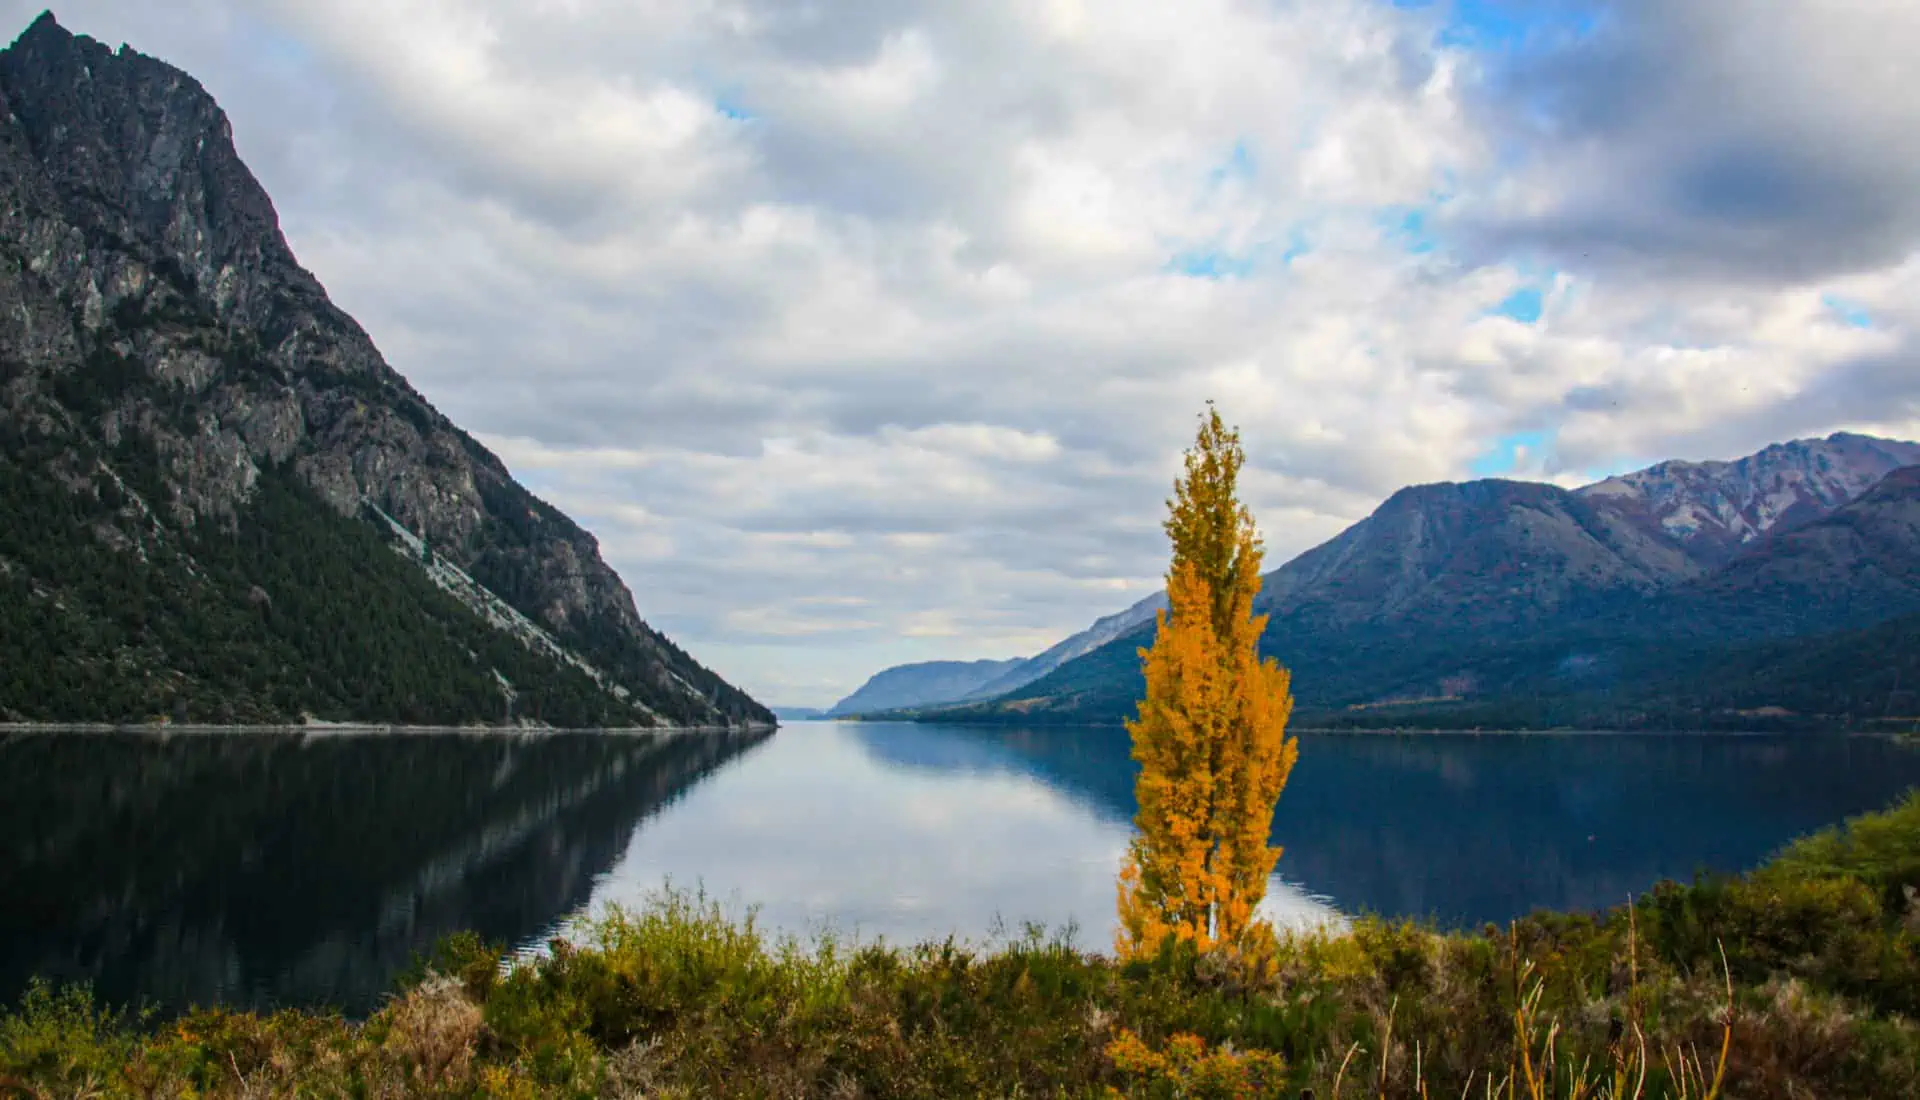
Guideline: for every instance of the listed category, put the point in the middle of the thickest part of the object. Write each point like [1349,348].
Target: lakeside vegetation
[1799,979]
[1820,947]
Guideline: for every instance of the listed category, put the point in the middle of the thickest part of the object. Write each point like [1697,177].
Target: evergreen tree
[1211,731]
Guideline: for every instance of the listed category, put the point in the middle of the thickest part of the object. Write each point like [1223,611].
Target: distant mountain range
[217,501]
[926,682]
[910,685]
[1663,596]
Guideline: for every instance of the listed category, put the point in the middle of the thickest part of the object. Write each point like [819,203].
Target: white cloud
[870,335]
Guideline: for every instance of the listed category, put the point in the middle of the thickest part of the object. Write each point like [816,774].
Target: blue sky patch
[1510,25]
[1239,165]
[1208,263]
[732,110]
[1504,456]
[1215,261]
[1523,305]
[1851,313]
[1297,246]
[1407,225]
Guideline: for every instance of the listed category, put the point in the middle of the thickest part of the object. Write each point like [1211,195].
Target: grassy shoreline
[1807,969]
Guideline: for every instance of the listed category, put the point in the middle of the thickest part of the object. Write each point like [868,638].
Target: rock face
[147,297]
[1854,567]
[1714,509]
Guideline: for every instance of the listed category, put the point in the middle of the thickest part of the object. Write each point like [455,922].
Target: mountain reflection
[273,868]
[270,868]
[1468,829]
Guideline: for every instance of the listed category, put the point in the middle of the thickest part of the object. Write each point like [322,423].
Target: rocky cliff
[1715,509]
[1850,568]
[162,353]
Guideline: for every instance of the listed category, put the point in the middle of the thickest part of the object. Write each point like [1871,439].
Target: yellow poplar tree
[1210,735]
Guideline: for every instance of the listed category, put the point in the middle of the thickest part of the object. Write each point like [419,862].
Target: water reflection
[269,868]
[909,832]
[1475,828]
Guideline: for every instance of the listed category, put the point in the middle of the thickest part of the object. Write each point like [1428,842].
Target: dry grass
[434,1030]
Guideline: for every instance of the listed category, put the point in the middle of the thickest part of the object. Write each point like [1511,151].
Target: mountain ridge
[1439,593]
[1718,507]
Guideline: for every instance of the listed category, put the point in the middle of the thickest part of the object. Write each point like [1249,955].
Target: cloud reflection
[905,833]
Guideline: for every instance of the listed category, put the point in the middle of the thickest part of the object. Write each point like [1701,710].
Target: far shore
[376,729]
[358,729]
[1376,731]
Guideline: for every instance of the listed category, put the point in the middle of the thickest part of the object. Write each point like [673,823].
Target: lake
[273,868]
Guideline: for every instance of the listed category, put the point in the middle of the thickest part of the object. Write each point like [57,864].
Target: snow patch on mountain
[1717,507]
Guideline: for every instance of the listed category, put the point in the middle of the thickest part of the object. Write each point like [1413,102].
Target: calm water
[264,869]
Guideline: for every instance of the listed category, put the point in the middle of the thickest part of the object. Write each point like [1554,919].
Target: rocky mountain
[1853,567]
[922,684]
[1492,552]
[222,502]
[1715,509]
[1491,589]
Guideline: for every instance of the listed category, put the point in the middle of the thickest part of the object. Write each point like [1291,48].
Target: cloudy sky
[871,331]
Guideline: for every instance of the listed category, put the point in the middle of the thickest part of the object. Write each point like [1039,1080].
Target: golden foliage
[1188,1066]
[1210,735]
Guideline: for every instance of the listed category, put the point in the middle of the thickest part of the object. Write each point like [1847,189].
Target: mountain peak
[48,42]
[1480,492]
[139,151]
[45,25]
